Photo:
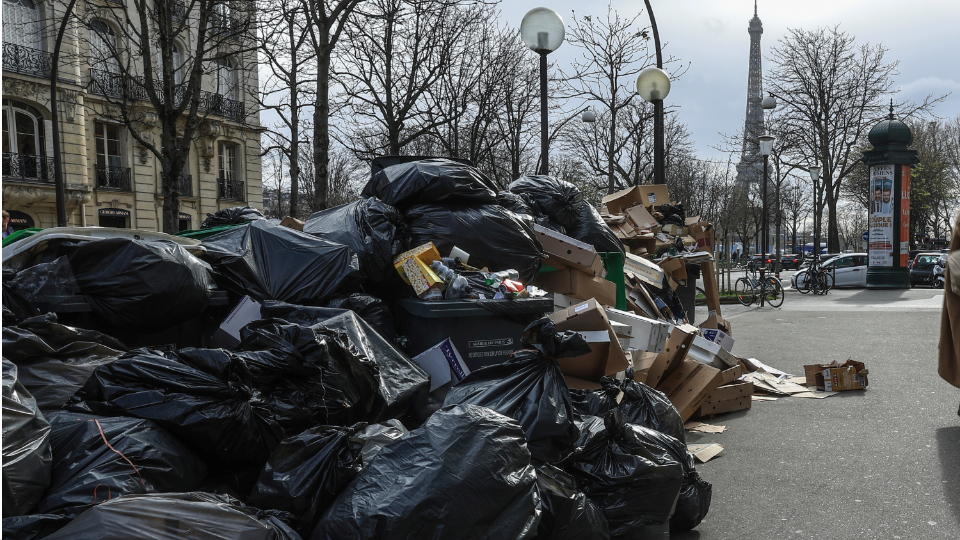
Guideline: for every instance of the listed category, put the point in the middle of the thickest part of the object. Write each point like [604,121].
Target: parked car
[921,268]
[753,262]
[848,270]
[790,261]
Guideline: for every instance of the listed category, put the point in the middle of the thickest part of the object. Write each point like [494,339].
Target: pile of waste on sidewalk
[438,360]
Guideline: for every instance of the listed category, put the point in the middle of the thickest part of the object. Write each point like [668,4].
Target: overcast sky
[711,35]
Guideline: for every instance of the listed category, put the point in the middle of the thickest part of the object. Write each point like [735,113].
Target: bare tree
[832,91]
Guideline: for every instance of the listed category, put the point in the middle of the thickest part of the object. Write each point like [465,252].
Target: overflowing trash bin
[435,360]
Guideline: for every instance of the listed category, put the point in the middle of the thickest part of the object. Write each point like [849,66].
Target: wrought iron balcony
[27,168]
[27,61]
[177,9]
[186,185]
[230,190]
[114,178]
[228,26]
[110,84]
[230,109]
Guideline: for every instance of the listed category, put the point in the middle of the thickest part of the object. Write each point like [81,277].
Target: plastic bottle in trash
[496,278]
[456,285]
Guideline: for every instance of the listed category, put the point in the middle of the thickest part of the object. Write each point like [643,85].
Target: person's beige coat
[950,322]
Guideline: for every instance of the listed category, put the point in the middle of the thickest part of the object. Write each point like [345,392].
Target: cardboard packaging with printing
[606,357]
[836,377]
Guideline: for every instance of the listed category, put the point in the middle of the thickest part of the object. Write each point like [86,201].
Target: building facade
[111,180]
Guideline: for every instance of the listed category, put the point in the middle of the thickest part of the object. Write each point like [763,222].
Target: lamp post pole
[766,146]
[659,174]
[815,176]
[60,187]
[542,31]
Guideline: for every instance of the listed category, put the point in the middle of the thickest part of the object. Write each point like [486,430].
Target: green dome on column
[890,132]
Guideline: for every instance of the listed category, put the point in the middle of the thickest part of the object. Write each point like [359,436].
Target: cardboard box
[647,195]
[443,363]
[606,357]
[674,353]
[645,334]
[675,267]
[640,217]
[690,385]
[702,233]
[572,252]
[624,231]
[227,336]
[644,270]
[734,373]
[572,282]
[293,223]
[715,321]
[718,336]
[710,353]
[673,230]
[836,377]
[426,253]
[731,391]
[420,276]
[621,330]
[725,406]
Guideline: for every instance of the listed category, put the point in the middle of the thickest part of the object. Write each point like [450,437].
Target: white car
[848,270]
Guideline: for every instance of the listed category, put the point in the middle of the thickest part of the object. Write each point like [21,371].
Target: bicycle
[816,280]
[750,289]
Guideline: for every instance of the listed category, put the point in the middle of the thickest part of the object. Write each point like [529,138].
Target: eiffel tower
[750,169]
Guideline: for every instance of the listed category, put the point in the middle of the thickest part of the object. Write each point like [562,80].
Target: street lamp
[766,147]
[653,85]
[542,31]
[815,177]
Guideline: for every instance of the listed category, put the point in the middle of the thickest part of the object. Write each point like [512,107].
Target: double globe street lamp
[542,31]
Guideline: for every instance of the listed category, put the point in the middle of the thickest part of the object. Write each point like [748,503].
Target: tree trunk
[321,139]
[833,229]
[294,154]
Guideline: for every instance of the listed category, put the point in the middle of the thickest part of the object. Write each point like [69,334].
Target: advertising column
[881,215]
[904,236]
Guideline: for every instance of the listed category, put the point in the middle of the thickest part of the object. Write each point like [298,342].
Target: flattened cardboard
[647,195]
[639,217]
[605,358]
[644,270]
[705,452]
[572,252]
[713,295]
[293,223]
[572,282]
[688,386]
[674,353]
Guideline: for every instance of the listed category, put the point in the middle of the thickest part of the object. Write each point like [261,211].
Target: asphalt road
[878,463]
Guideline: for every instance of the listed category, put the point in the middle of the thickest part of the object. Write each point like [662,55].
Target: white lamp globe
[542,30]
[653,84]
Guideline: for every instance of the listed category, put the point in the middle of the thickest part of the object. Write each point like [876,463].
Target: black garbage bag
[307,472]
[175,516]
[591,229]
[15,307]
[99,458]
[26,447]
[596,402]
[568,514]
[372,310]
[271,262]
[203,396]
[403,385]
[368,227]
[494,237]
[650,408]
[518,204]
[627,471]
[309,375]
[231,216]
[33,526]
[673,214]
[465,473]
[50,282]
[376,436]
[55,360]
[431,181]
[530,388]
[695,493]
[140,286]
[559,200]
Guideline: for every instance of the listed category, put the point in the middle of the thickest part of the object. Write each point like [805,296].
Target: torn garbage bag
[140,286]
[371,309]
[270,262]
[175,516]
[530,388]
[591,229]
[368,227]
[55,360]
[26,446]
[596,402]
[650,408]
[309,375]
[203,396]
[231,216]
[98,458]
[376,436]
[626,471]
[307,472]
[494,237]
[559,200]
[568,514]
[465,473]
[431,181]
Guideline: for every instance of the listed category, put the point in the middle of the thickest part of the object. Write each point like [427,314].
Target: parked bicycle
[815,280]
[751,288]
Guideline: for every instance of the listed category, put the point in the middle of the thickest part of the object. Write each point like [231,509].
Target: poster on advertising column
[904,216]
[881,215]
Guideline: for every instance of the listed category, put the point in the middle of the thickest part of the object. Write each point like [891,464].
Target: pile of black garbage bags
[317,425]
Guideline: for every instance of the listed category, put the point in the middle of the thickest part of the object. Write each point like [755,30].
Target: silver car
[848,270]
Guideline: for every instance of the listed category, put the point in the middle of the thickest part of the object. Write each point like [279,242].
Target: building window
[111,174]
[230,185]
[226,78]
[177,64]
[21,24]
[103,47]
[24,145]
